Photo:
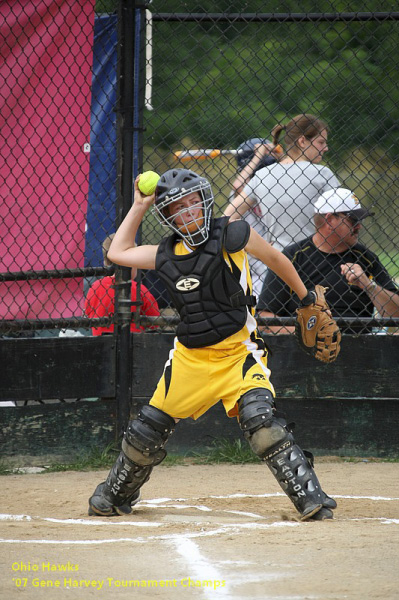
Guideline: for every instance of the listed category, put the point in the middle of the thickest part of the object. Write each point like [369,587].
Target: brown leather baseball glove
[315,329]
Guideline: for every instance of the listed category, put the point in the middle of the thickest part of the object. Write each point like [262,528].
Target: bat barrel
[204,153]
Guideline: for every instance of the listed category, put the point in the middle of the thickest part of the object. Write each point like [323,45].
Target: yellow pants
[196,379]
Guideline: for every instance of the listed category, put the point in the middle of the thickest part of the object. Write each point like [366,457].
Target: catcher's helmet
[174,185]
[246,151]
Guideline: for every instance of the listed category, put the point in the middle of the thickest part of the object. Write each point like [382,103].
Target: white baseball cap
[341,200]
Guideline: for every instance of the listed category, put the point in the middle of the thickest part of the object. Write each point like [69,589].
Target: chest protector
[207,294]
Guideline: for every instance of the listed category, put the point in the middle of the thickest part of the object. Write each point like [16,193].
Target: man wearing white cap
[356,280]
[341,200]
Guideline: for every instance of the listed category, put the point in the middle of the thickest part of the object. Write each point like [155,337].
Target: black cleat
[101,507]
[322,514]
[309,512]
[329,502]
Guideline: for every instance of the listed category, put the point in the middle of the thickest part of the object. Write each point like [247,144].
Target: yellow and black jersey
[195,379]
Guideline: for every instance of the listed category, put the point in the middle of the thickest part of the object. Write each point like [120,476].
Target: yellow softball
[148,182]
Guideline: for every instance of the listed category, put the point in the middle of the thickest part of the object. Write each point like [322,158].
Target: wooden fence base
[349,408]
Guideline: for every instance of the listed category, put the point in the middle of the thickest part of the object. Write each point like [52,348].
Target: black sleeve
[381,275]
[276,297]
[236,236]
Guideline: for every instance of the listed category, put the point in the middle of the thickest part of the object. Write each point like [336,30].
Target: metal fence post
[125,177]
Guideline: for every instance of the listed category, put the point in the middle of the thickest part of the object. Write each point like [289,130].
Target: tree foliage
[225,82]
[216,84]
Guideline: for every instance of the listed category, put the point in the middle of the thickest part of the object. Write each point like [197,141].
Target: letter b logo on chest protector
[187,284]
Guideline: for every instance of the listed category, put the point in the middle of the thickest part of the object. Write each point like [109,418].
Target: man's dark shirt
[316,267]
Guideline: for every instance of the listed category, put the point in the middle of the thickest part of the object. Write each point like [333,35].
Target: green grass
[391,263]
[176,459]
[88,461]
[5,467]
[224,451]
[93,459]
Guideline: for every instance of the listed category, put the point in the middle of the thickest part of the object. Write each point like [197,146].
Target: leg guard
[328,503]
[121,491]
[142,449]
[272,441]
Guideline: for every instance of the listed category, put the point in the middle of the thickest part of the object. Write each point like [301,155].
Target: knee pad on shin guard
[257,420]
[143,443]
[147,435]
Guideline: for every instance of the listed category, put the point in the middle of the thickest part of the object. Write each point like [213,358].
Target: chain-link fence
[86,106]
[223,82]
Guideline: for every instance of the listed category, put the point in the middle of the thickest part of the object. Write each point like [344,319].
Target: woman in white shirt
[278,200]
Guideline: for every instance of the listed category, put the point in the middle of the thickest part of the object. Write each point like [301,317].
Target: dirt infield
[203,532]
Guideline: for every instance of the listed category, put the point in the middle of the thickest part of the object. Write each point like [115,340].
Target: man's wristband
[371,286]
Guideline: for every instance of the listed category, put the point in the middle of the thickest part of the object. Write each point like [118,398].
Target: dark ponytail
[305,125]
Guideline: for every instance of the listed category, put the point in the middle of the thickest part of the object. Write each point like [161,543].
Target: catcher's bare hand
[315,329]
[144,202]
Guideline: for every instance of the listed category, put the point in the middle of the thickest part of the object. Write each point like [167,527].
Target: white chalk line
[6,517]
[197,564]
[383,520]
[89,522]
[73,542]
[375,498]
[200,507]
[244,514]
[228,528]
[202,569]
[166,503]
[156,503]
[273,495]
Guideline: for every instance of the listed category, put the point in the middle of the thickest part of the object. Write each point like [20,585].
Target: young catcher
[217,354]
